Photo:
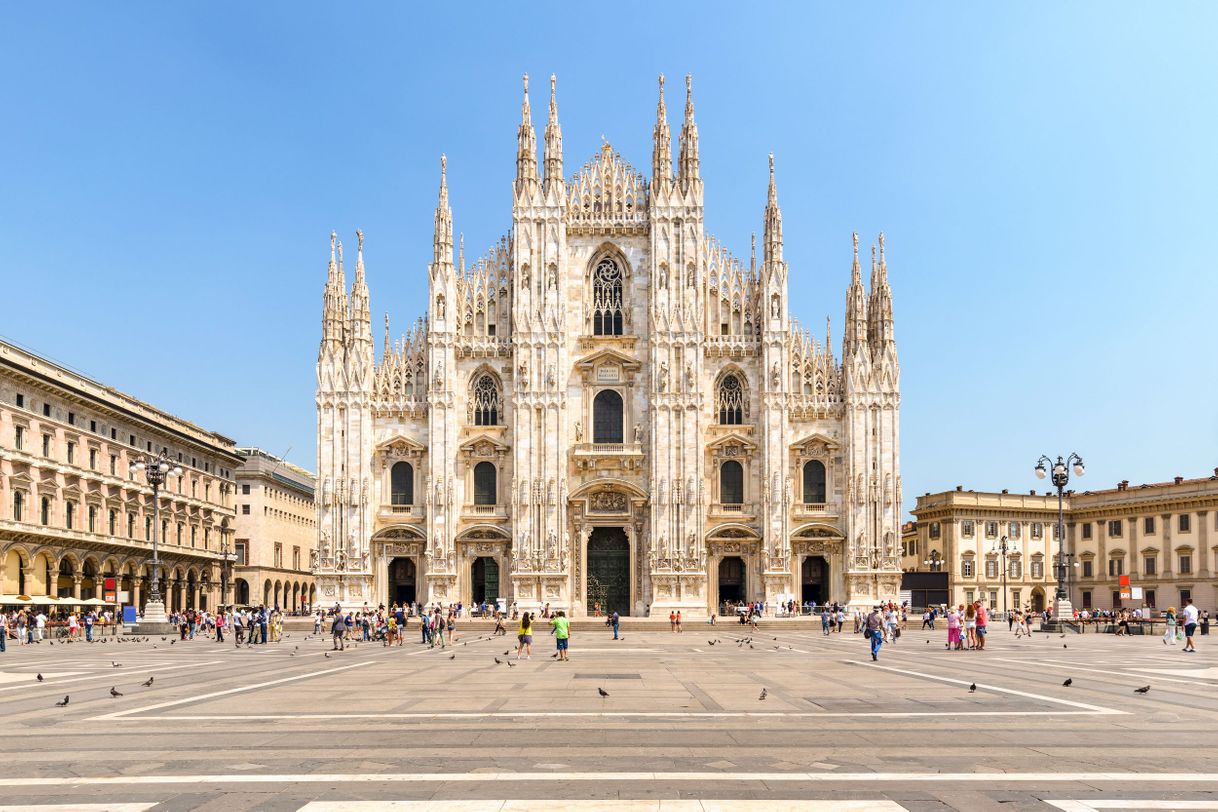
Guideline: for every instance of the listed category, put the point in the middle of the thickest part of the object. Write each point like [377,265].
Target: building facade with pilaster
[608,409]
[72,515]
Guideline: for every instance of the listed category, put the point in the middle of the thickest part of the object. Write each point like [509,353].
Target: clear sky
[1044,173]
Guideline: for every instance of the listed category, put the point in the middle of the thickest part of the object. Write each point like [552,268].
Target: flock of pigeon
[740,642]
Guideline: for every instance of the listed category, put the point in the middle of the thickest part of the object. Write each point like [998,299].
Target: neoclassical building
[607,407]
[73,517]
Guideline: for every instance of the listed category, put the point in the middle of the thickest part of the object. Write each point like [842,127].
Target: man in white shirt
[40,624]
[1190,624]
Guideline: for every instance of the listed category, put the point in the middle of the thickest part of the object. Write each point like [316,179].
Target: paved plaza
[684,726]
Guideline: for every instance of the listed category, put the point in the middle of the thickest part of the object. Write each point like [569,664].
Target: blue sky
[1044,175]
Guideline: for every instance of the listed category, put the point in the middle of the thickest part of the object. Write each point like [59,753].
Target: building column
[1203,541]
[76,579]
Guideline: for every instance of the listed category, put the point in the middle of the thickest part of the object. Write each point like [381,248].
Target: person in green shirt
[562,634]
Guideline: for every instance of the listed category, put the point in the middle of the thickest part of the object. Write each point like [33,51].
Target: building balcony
[403,511]
[732,510]
[485,511]
[811,510]
[592,456]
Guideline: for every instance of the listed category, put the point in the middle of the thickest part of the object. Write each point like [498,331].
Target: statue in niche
[312,559]
[524,276]
[776,375]
[325,544]
[340,562]
[554,277]
[689,375]
[638,432]
[663,382]
[579,432]
[663,277]
[550,375]
[775,307]
[439,308]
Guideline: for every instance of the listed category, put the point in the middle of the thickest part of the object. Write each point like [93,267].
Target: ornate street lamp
[226,556]
[935,561]
[1060,479]
[155,470]
[1001,547]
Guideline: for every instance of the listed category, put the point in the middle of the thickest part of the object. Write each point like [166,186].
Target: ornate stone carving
[608,502]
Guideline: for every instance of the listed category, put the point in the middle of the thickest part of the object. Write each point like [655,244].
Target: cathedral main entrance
[731,580]
[814,578]
[402,580]
[608,570]
[485,576]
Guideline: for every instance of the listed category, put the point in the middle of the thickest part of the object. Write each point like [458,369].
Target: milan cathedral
[608,410]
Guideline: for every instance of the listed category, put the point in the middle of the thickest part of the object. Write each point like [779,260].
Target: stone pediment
[820,530]
[734,444]
[814,442]
[483,446]
[401,446]
[20,479]
[608,366]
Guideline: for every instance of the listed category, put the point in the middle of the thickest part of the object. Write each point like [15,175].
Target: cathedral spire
[688,171]
[442,256]
[661,157]
[385,352]
[856,308]
[753,257]
[773,224]
[553,148]
[334,299]
[361,318]
[526,145]
[879,307]
[461,252]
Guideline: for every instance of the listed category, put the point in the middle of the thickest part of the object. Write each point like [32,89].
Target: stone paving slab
[685,719]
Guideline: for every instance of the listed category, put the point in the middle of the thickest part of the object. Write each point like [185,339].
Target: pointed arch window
[485,401]
[401,484]
[607,317]
[814,482]
[731,483]
[607,418]
[729,400]
[485,482]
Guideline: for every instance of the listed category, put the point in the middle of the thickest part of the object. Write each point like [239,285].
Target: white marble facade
[608,407]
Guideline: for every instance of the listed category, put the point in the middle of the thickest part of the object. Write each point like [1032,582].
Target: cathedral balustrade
[733,510]
[404,511]
[486,511]
[482,346]
[810,509]
[735,346]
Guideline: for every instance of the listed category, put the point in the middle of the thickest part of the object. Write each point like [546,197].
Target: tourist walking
[1170,618]
[337,629]
[615,620]
[562,634]
[524,637]
[1190,623]
[874,628]
[983,616]
[220,626]
[970,625]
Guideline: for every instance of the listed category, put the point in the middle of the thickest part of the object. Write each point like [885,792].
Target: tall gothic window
[814,482]
[485,477]
[731,483]
[401,484]
[485,401]
[607,298]
[729,398]
[607,417]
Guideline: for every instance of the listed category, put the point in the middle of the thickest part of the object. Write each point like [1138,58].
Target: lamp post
[226,556]
[934,562]
[155,470]
[1061,478]
[1002,547]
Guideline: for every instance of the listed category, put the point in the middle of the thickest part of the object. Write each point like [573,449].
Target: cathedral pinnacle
[526,144]
[661,160]
[773,224]
[443,243]
[553,149]
[688,172]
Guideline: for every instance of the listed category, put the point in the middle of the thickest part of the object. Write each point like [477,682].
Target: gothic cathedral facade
[607,410]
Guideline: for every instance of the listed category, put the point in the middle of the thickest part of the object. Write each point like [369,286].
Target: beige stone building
[1163,536]
[72,514]
[608,407]
[275,533]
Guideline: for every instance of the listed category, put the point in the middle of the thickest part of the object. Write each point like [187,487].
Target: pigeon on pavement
[972,688]
[1145,689]
[1068,681]
[63,703]
[114,691]
[148,684]
[602,692]
[39,677]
